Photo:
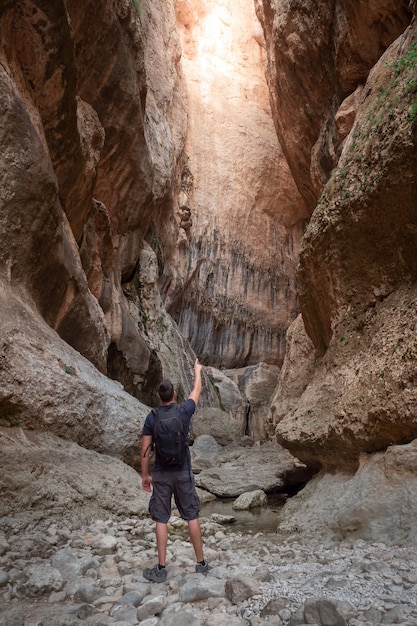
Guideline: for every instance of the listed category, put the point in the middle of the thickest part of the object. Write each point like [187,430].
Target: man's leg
[158,573]
[195,536]
[161,542]
[188,504]
[160,508]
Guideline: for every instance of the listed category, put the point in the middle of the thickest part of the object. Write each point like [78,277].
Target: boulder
[46,479]
[324,611]
[256,384]
[241,588]
[250,500]
[238,470]
[217,423]
[201,588]
[377,503]
[229,394]
[204,452]
[47,385]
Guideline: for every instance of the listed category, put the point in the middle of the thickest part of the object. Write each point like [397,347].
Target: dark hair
[166,391]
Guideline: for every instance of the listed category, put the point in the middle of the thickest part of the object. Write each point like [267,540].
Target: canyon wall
[347,386]
[318,55]
[144,187]
[93,124]
[159,162]
[234,292]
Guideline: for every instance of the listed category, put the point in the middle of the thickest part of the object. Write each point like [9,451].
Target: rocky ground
[92,575]
[61,566]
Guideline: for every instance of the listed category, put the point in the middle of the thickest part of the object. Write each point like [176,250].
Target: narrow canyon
[235,181]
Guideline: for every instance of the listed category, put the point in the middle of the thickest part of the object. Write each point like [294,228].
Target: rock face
[379,500]
[46,479]
[49,386]
[84,173]
[233,300]
[37,246]
[324,51]
[356,277]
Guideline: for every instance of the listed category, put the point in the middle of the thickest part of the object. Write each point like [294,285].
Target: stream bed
[258,520]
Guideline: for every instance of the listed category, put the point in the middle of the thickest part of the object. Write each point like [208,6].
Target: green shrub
[137,5]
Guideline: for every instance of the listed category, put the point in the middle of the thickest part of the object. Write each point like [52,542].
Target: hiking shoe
[155,574]
[202,569]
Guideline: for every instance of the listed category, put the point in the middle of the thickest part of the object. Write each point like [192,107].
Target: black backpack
[169,437]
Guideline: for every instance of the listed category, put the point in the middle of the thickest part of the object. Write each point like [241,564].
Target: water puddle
[258,520]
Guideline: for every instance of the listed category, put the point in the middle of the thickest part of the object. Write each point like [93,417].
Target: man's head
[166,391]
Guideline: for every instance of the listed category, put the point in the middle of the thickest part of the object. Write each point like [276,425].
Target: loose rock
[254,580]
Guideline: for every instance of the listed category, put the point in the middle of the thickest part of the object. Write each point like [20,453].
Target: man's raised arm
[195,393]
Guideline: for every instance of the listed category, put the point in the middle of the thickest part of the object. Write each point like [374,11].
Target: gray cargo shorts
[181,485]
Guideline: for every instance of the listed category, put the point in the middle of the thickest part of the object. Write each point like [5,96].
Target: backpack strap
[156,417]
[152,445]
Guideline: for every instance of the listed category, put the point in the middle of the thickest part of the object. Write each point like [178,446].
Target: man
[168,481]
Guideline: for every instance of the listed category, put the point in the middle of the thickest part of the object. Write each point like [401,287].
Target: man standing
[176,480]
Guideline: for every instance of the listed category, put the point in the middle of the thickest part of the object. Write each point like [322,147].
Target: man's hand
[147,484]
[197,367]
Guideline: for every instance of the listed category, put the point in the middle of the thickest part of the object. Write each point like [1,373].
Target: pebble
[92,576]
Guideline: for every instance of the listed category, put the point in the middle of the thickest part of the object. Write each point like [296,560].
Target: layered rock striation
[232,298]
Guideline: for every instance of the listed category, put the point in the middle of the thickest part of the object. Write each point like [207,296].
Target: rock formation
[356,280]
[346,388]
[47,385]
[84,173]
[377,501]
[155,188]
[107,145]
[46,479]
[238,470]
[257,384]
[317,56]
[234,299]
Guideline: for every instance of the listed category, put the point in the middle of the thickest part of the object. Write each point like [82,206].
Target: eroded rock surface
[46,479]
[232,299]
[356,278]
[109,195]
[236,470]
[257,384]
[85,171]
[49,386]
[325,51]
[376,503]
